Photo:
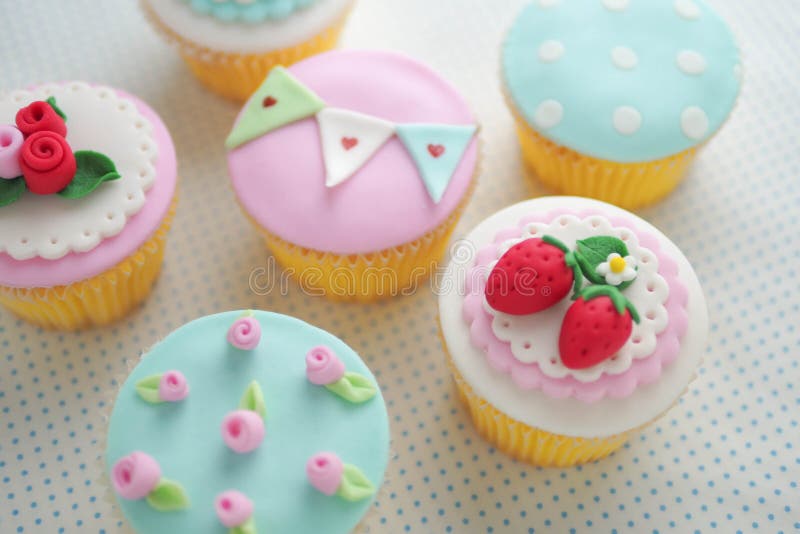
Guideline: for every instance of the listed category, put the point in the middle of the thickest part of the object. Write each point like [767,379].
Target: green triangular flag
[280,100]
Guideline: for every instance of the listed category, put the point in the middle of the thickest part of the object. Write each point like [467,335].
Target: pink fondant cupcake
[574,324]
[87,186]
[355,166]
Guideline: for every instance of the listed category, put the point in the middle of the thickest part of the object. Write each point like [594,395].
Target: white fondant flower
[617,269]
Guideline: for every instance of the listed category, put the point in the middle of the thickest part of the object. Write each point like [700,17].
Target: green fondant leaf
[253,399]
[168,496]
[147,388]
[248,527]
[52,102]
[354,387]
[595,250]
[11,190]
[93,169]
[355,485]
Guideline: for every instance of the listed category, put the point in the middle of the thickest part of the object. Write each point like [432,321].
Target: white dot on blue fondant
[550,51]
[548,114]
[691,62]
[616,5]
[694,123]
[624,58]
[627,120]
[687,9]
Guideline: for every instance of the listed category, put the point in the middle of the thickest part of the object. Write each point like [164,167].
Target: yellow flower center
[617,264]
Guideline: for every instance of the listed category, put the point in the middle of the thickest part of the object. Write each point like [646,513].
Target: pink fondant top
[528,375]
[279,178]
[74,267]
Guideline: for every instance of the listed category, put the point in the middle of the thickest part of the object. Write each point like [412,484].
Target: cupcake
[247,422]
[355,166]
[230,45]
[572,325]
[87,194]
[620,112]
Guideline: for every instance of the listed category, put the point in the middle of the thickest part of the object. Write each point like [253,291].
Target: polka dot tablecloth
[725,459]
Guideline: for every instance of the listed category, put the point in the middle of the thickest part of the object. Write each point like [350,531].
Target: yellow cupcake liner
[530,444]
[366,277]
[96,301]
[628,185]
[236,75]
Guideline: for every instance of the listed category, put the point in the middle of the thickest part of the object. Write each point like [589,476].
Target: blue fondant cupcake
[247,422]
[612,98]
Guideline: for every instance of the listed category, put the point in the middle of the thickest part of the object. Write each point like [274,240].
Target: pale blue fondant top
[622,80]
[252,11]
[302,420]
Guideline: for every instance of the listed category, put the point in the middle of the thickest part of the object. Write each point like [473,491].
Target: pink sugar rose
[233,508]
[323,367]
[173,387]
[11,141]
[135,476]
[243,430]
[245,333]
[324,471]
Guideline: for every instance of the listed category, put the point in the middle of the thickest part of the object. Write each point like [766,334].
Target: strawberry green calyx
[617,298]
[570,260]
[550,240]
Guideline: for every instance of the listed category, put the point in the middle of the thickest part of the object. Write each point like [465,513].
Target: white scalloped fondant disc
[534,337]
[97,119]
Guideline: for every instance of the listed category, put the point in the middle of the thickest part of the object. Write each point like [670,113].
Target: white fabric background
[727,458]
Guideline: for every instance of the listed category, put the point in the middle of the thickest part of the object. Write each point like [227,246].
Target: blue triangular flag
[437,150]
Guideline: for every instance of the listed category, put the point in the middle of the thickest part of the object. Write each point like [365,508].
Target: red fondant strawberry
[532,276]
[595,327]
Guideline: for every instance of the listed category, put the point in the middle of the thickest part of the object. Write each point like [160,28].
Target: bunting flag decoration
[437,150]
[349,139]
[280,100]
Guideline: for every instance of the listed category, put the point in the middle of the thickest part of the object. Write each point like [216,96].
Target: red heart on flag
[436,150]
[269,101]
[349,142]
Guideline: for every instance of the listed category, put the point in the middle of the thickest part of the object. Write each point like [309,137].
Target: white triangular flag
[349,139]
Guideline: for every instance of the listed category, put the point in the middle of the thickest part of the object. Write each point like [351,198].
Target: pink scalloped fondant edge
[528,375]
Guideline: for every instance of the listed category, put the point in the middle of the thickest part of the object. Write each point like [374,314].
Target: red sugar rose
[47,162]
[40,116]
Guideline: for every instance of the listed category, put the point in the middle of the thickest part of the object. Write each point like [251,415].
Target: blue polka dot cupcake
[618,113]
[247,423]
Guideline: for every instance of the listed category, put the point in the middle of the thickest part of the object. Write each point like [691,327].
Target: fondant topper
[349,139]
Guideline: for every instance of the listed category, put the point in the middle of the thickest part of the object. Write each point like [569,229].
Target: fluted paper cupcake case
[236,75]
[369,524]
[534,445]
[96,301]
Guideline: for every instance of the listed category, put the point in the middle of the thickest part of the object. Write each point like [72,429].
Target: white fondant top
[569,416]
[247,38]
[98,119]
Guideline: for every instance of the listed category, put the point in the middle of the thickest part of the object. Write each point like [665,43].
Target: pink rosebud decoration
[135,476]
[173,387]
[323,367]
[325,471]
[245,333]
[11,141]
[243,430]
[233,508]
